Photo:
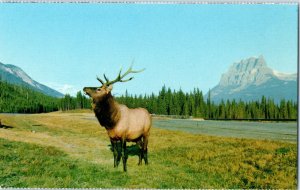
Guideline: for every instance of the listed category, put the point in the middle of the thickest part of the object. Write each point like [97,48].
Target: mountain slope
[16,75]
[250,79]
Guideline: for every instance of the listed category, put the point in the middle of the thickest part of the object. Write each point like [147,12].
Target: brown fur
[122,124]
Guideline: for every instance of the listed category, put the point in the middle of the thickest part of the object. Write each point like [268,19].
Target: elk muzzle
[89,90]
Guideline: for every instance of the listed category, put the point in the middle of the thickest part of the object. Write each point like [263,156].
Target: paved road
[283,131]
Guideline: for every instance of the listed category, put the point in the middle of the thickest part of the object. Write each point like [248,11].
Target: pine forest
[168,102]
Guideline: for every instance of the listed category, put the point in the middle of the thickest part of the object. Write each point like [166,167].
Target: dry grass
[177,159]
[72,134]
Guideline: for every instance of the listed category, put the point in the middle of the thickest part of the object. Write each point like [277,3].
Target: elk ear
[109,88]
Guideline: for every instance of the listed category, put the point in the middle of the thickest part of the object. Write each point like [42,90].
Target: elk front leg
[115,152]
[124,154]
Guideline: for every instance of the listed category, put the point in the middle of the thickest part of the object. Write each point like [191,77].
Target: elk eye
[98,89]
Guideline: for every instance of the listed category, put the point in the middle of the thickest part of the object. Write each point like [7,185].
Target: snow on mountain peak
[285,76]
[25,77]
[16,75]
[19,73]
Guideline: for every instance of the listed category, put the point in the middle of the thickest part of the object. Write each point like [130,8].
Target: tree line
[18,99]
[69,102]
[172,102]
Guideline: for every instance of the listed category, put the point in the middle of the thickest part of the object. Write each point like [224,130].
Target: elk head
[98,94]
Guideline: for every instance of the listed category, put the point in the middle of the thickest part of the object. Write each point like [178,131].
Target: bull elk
[121,123]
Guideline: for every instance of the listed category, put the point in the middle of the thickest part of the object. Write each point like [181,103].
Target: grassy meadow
[70,149]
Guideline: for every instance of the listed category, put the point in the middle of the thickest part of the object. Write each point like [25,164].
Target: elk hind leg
[141,155]
[145,149]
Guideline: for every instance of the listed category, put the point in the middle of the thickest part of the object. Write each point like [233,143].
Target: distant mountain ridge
[250,79]
[15,75]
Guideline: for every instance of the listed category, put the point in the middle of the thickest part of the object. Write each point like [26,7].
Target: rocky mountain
[250,79]
[15,75]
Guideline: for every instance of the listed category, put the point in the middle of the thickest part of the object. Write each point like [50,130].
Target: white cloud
[64,88]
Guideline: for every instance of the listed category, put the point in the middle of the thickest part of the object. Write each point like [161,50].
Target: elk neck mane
[107,112]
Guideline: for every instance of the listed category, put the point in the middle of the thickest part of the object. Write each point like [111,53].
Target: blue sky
[182,45]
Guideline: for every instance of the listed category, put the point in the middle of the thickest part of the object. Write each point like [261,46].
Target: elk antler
[119,77]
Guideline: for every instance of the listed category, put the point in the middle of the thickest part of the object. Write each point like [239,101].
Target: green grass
[71,150]
[28,165]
